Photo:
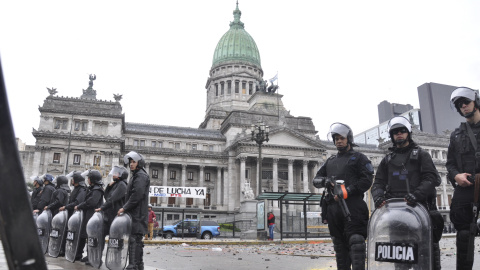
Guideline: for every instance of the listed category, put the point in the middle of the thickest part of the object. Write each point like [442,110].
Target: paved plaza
[246,254]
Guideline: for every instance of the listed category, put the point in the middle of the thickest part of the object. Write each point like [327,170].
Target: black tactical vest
[342,167]
[403,168]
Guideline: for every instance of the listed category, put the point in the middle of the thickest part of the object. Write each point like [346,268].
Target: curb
[195,242]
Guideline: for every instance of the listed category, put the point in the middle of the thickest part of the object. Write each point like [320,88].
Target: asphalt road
[248,255]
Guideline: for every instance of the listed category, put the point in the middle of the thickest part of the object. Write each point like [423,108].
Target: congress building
[78,133]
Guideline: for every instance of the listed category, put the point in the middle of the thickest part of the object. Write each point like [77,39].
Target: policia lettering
[396,252]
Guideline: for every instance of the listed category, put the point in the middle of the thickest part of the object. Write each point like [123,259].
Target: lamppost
[260,135]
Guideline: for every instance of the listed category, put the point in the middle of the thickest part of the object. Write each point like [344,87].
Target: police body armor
[59,225]
[399,237]
[336,167]
[96,239]
[73,235]
[400,165]
[43,227]
[117,251]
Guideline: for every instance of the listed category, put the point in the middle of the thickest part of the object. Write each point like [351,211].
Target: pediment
[287,139]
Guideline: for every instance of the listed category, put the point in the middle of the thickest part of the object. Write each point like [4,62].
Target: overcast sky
[336,60]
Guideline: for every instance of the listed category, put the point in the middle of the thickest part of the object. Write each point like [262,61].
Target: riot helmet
[399,123]
[77,178]
[118,173]
[47,177]
[61,180]
[94,176]
[342,130]
[37,179]
[135,157]
[460,96]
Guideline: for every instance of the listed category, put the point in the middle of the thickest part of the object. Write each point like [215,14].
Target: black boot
[132,247]
[341,254]
[357,251]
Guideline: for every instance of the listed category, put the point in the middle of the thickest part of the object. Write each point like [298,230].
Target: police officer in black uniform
[93,200]
[60,195]
[137,205]
[77,196]
[37,192]
[47,193]
[407,160]
[114,196]
[463,163]
[356,170]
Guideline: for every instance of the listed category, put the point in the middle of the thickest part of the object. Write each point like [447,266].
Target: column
[36,161]
[290,175]
[165,181]
[275,180]
[444,192]
[147,168]
[242,177]
[275,175]
[201,184]
[305,176]
[232,184]
[219,185]
[225,187]
[184,178]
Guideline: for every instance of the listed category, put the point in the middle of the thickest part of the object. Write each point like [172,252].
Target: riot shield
[117,250]
[59,225]
[43,227]
[96,239]
[400,237]
[73,235]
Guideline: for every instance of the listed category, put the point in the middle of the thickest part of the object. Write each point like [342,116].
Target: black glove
[411,199]
[379,201]
[319,182]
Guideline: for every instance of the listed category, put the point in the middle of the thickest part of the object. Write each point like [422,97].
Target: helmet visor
[398,122]
[70,175]
[116,171]
[133,155]
[33,178]
[340,129]
[459,93]
[85,174]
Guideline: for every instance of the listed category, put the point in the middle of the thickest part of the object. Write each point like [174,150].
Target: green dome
[236,44]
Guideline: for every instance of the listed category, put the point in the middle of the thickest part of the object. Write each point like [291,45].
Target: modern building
[387,110]
[78,133]
[437,116]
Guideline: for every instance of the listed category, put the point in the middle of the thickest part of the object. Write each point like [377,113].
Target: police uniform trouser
[346,236]
[135,252]
[461,215]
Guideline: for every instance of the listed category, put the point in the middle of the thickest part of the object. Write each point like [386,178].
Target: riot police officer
[408,161]
[47,192]
[463,166]
[60,195]
[137,205]
[93,200]
[114,195]
[348,236]
[37,192]
[77,196]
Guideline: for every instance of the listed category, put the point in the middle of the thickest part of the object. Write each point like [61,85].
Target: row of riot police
[405,229]
[68,220]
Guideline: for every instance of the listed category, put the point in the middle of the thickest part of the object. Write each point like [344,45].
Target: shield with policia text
[57,233]
[400,237]
[117,250]
[96,239]
[73,235]
[43,227]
